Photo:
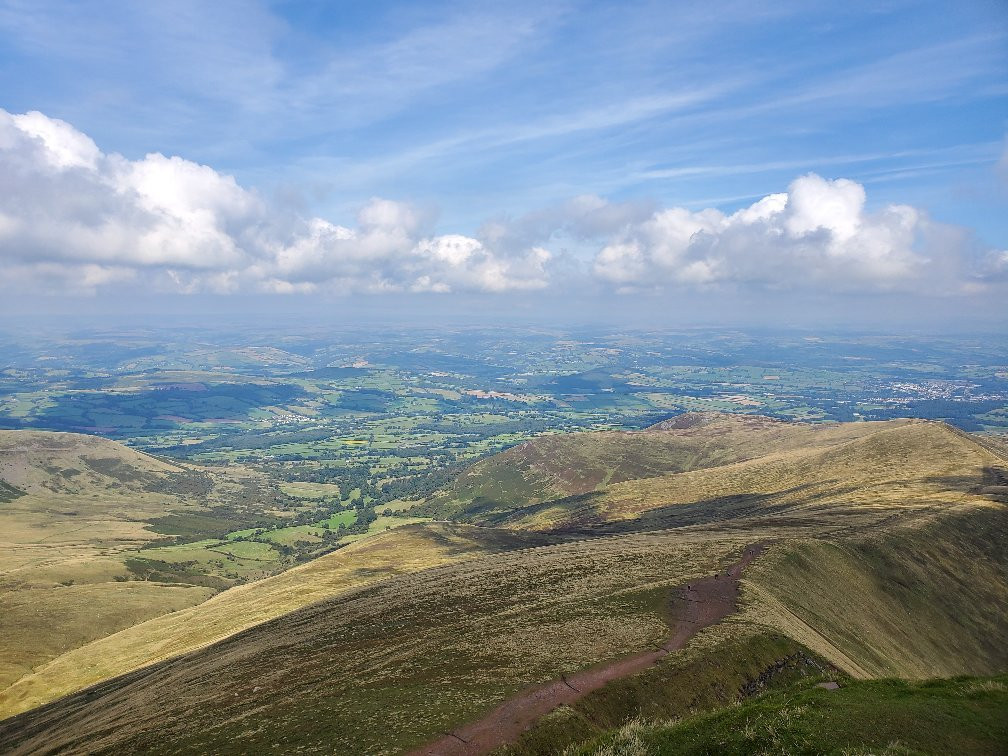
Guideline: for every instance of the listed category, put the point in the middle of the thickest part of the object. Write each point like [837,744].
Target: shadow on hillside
[794,506]
[993,484]
[457,540]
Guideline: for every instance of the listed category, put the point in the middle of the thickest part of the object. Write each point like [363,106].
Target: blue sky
[485,121]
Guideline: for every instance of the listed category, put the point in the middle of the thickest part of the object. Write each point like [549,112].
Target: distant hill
[886,559]
[43,462]
[705,467]
[556,466]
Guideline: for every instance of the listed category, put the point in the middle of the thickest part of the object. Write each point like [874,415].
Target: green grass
[695,680]
[966,715]
[347,517]
[917,602]
[224,560]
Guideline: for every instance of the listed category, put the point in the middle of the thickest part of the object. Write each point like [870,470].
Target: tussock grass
[867,717]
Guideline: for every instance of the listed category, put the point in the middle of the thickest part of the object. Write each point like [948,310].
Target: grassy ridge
[82,613]
[556,466]
[890,471]
[920,602]
[791,468]
[917,602]
[698,679]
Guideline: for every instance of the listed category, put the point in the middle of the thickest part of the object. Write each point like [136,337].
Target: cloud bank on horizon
[76,219]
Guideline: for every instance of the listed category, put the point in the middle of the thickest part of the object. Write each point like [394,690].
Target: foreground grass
[967,715]
[390,666]
[732,663]
[386,661]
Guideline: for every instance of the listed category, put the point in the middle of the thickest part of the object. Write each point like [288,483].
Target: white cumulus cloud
[818,233]
[72,216]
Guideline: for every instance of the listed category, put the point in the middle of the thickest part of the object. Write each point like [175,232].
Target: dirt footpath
[708,601]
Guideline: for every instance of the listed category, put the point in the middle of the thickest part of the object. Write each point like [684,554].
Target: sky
[667,162]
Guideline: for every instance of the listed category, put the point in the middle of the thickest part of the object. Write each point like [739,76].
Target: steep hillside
[910,600]
[917,602]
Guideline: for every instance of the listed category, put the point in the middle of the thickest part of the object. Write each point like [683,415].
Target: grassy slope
[391,665]
[923,600]
[703,676]
[917,602]
[82,614]
[963,716]
[396,552]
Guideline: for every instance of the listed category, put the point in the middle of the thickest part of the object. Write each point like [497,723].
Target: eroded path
[708,601]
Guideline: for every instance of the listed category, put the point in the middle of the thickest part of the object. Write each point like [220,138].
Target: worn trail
[708,601]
